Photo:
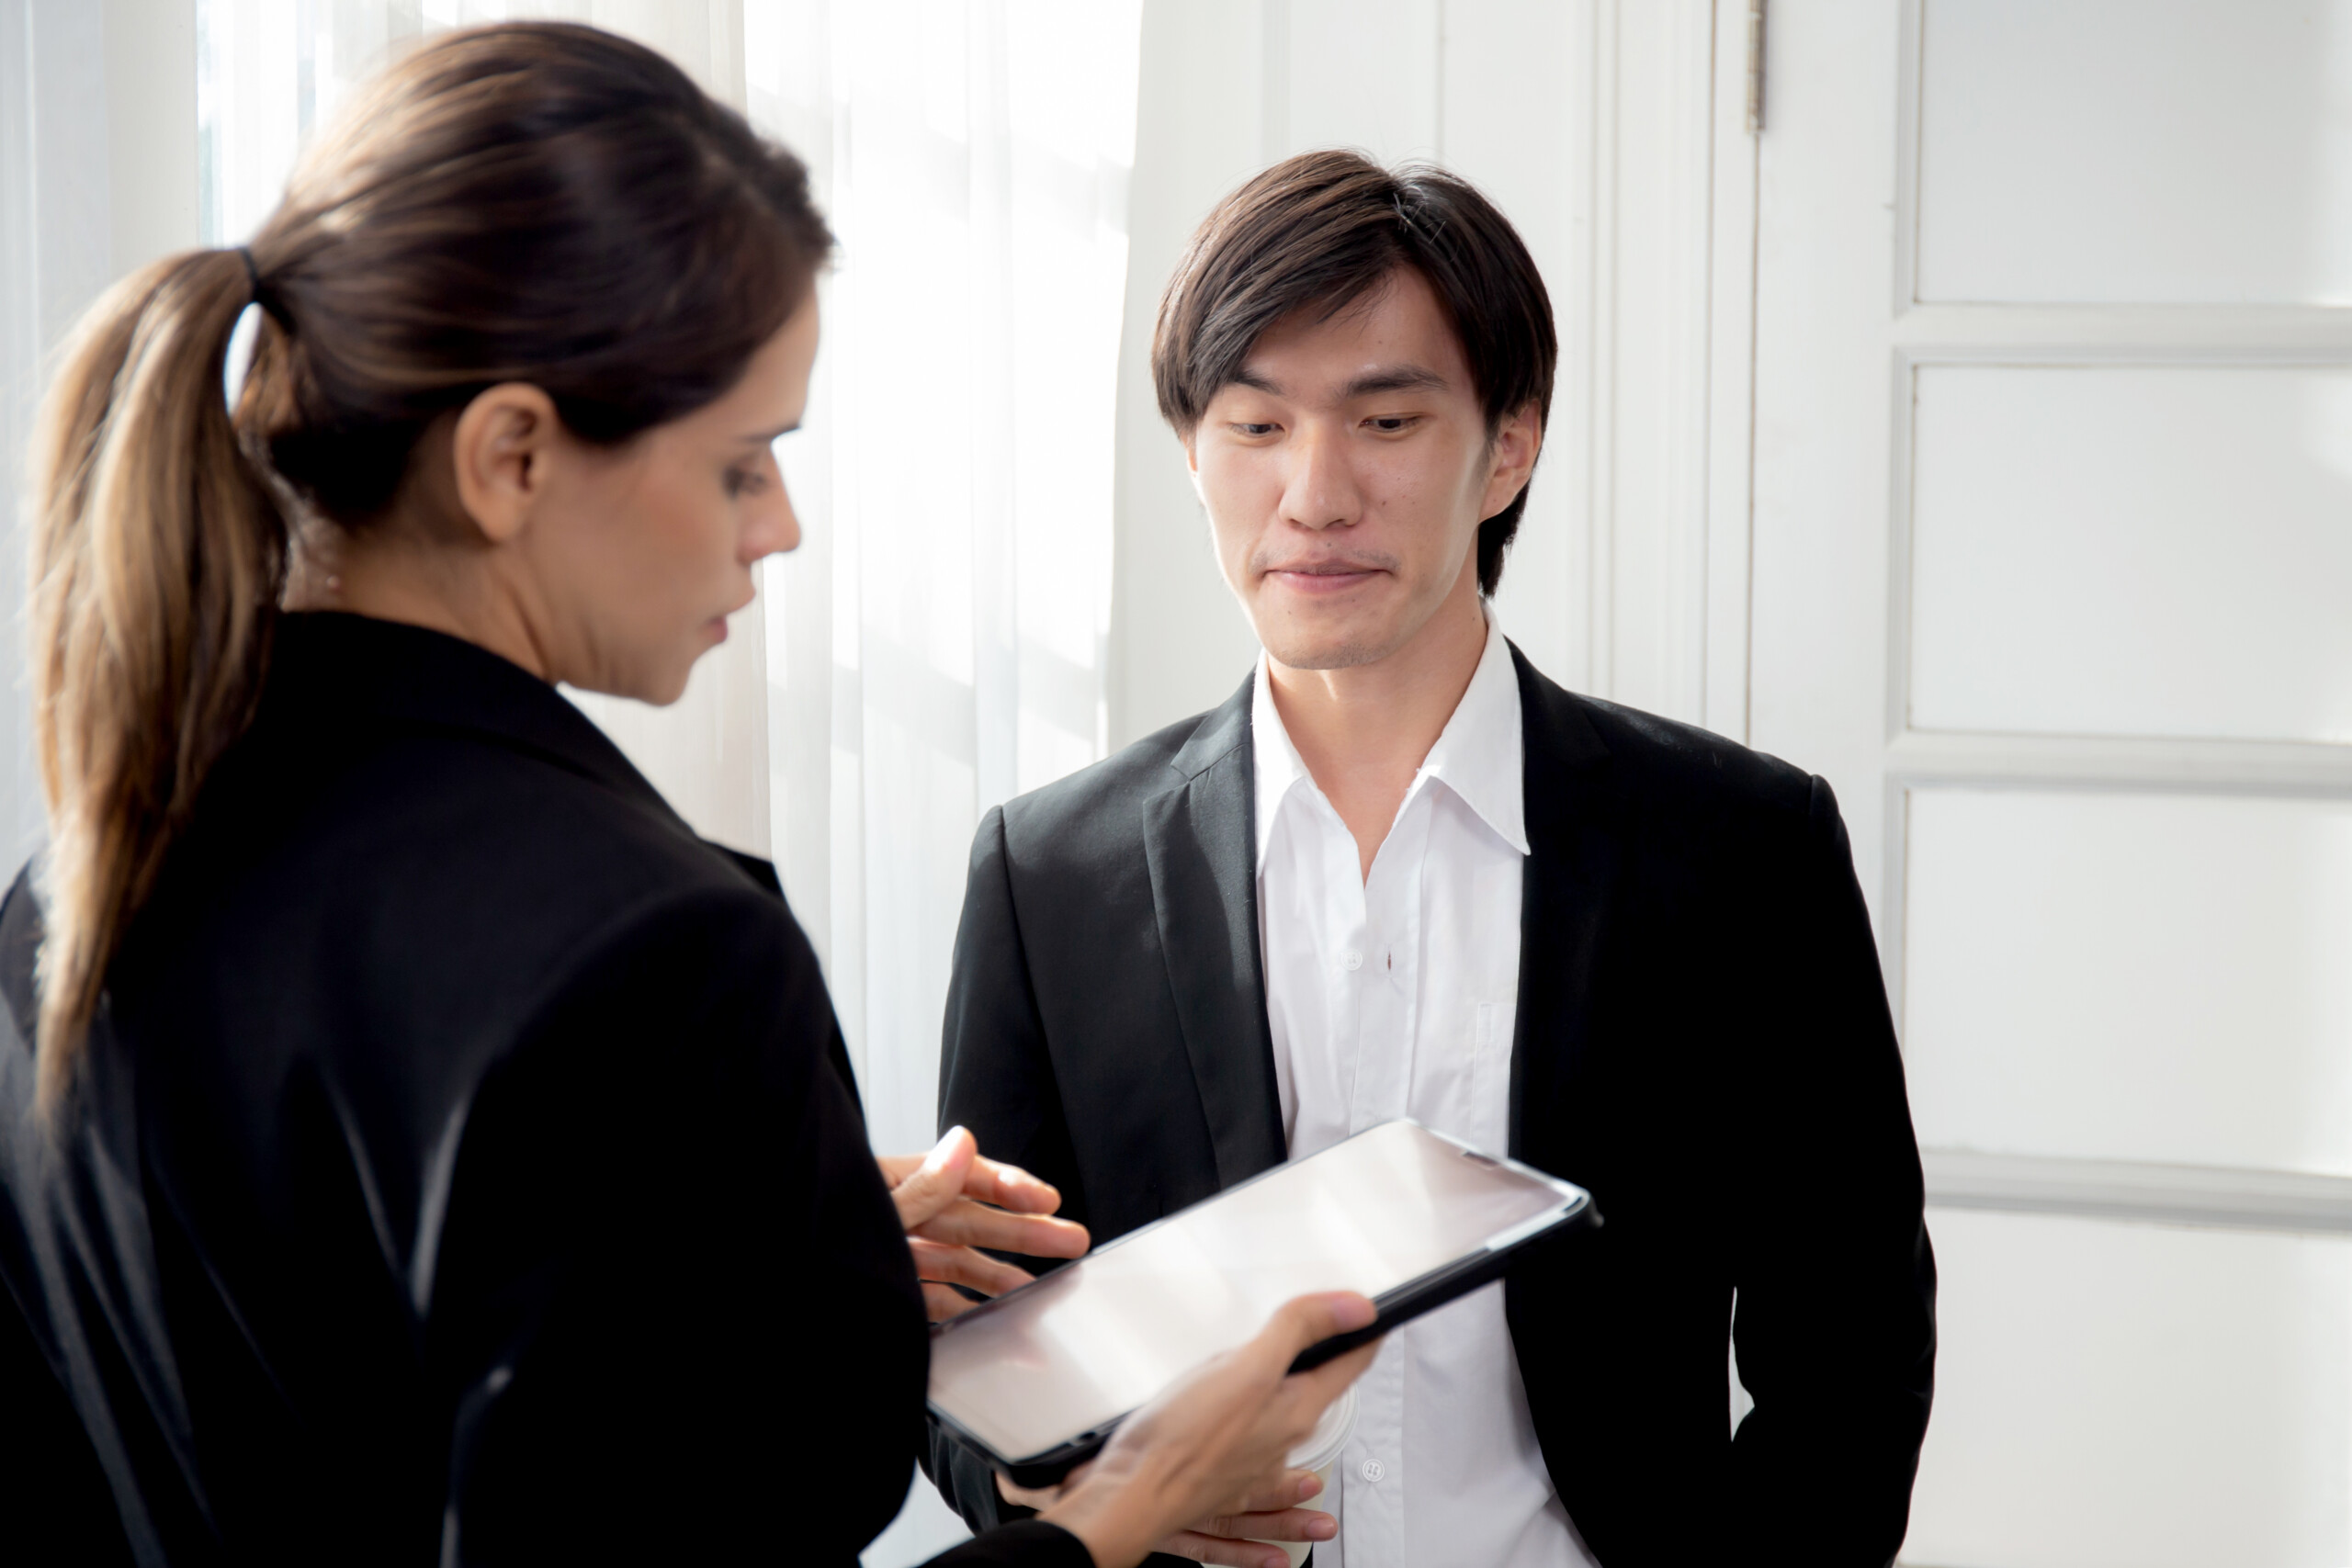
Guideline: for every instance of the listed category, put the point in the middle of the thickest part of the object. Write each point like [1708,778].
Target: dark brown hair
[1323,230]
[538,202]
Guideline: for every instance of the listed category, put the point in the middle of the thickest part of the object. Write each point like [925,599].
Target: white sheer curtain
[938,643]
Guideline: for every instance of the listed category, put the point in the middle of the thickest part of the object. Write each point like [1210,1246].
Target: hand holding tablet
[1035,1380]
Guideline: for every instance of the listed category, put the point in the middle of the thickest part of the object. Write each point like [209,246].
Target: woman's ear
[501,452]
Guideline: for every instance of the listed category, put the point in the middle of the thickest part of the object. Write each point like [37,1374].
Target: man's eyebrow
[1393,379]
[1387,378]
[769,437]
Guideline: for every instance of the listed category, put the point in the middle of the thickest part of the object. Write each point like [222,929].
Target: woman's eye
[741,483]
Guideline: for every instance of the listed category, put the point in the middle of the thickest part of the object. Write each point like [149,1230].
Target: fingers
[1280,1524]
[945,1196]
[1288,1488]
[961,1266]
[1216,1549]
[937,1183]
[967,1223]
[1010,1187]
[940,1303]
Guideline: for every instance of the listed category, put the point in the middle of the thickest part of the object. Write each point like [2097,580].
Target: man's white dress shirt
[1395,996]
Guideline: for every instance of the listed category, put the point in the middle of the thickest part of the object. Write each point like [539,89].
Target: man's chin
[1339,652]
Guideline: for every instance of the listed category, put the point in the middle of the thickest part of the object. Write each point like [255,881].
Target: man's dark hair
[1320,232]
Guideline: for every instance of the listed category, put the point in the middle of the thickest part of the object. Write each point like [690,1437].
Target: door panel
[2115,151]
[2051,578]
[2080,964]
[2148,550]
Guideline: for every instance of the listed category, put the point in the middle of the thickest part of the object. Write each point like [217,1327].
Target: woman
[419,1146]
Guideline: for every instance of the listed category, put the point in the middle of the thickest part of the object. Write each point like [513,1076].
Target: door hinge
[1755,67]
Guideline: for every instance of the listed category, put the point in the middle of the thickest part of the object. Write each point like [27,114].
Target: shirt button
[1373,1470]
[1351,960]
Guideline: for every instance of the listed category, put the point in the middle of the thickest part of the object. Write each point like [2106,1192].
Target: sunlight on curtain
[937,645]
[270,69]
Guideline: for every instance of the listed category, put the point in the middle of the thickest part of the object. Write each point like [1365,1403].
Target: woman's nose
[773,528]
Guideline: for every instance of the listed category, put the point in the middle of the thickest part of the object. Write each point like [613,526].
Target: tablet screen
[1092,1341]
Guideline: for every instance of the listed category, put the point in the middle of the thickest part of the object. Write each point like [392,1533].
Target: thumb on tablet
[1304,1322]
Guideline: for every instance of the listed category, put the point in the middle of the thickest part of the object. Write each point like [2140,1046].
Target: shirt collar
[1276,762]
[1480,755]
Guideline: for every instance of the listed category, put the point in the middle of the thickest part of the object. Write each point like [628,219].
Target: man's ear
[501,452]
[1519,439]
[1192,465]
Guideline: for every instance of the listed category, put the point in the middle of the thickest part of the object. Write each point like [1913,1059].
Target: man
[1402,874]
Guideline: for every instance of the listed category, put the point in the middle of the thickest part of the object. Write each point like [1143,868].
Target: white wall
[1597,126]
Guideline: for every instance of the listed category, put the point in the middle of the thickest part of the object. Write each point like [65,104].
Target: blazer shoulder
[1096,807]
[442,854]
[1663,762]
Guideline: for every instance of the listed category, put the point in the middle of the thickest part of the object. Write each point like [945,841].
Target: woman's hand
[1213,1447]
[952,1202]
[1273,1510]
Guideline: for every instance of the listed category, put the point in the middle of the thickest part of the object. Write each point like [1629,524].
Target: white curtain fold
[941,636]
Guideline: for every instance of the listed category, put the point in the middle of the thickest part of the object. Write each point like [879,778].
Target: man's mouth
[1323,577]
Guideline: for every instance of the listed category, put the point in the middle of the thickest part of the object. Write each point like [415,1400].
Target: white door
[2052,578]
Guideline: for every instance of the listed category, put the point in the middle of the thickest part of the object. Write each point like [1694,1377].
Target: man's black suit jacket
[1703,1042]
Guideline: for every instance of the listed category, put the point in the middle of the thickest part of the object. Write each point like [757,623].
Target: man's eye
[1392,424]
[739,483]
[1246,428]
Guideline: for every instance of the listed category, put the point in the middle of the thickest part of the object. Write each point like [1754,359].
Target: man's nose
[1322,491]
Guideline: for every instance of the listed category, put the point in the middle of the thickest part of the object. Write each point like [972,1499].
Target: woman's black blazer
[464,1170]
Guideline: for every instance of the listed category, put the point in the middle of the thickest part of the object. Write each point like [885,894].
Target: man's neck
[1363,731]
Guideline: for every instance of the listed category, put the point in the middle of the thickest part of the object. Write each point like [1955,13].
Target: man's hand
[1236,1540]
[952,1202]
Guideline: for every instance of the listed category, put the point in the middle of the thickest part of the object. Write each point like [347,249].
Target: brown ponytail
[158,556]
[536,202]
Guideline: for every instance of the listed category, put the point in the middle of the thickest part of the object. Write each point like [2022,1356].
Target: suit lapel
[1201,843]
[1570,863]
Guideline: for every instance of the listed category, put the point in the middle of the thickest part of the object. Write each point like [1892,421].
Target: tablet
[1035,1380]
